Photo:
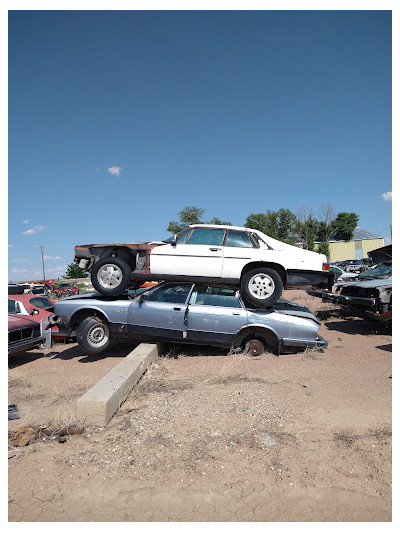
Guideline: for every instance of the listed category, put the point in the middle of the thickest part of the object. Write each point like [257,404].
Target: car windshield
[170,239]
[379,271]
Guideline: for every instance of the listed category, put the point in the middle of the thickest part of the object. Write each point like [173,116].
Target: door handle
[215,249]
[236,314]
[177,308]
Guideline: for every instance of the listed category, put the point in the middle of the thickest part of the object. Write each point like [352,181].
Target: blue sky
[119,119]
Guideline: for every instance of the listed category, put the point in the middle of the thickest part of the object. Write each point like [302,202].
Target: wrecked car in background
[36,308]
[187,313]
[240,257]
[23,334]
[369,295]
[66,289]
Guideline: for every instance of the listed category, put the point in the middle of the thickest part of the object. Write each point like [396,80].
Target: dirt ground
[212,436]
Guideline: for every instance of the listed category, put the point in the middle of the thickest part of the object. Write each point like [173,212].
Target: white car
[260,265]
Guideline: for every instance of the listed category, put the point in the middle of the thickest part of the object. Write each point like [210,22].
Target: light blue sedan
[187,313]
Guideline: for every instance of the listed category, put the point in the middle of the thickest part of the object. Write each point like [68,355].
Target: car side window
[238,239]
[217,296]
[175,294]
[207,236]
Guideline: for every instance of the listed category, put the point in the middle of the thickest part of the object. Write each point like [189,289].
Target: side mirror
[35,312]
[142,297]
[173,242]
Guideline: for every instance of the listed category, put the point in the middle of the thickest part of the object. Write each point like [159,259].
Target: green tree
[75,271]
[219,222]
[257,221]
[305,227]
[188,215]
[192,215]
[277,224]
[323,248]
[344,225]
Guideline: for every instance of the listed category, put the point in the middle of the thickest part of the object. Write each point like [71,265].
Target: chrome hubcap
[97,335]
[109,276]
[261,286]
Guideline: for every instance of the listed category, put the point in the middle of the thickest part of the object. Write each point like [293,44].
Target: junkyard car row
[219,285]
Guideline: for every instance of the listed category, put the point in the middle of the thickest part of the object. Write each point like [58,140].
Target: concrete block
[99,403]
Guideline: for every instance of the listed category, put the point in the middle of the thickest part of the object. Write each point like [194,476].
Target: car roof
[219,226]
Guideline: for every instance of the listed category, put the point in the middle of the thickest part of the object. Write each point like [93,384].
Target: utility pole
[44,275]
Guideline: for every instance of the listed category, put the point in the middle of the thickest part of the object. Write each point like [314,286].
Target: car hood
[285,307]
[371,283]
[17,322]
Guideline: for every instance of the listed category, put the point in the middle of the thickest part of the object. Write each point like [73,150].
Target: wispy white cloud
[49,258]
[115,171]
[18,270]
[11,246]
[34,230]
[26,221]
[57,270]
[387,196]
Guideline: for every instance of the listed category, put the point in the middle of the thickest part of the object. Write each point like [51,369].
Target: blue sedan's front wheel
[93,335]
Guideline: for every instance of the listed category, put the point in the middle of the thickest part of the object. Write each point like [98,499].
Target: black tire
[111,276]
[254,347]
[261,287]
[93,335]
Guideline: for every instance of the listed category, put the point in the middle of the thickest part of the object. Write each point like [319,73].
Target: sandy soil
[211,436]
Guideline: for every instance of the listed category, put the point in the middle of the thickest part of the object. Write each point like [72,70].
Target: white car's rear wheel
[111,276]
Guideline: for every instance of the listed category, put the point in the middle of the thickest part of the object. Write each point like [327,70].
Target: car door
[198,252]
[239,250]
[215,315]
[160,312]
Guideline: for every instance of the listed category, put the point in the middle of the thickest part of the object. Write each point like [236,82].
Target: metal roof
[361,234]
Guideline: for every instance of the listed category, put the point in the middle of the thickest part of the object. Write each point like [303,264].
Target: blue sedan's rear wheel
[93,335]
[254,347]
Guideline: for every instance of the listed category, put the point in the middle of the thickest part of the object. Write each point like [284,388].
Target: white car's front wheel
[261,287]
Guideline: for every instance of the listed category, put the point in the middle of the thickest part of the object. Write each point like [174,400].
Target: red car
[23,334]
[66,289]
[34,307]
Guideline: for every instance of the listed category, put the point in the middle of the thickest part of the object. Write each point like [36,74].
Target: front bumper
[319,342]
[362,307]
[25,345]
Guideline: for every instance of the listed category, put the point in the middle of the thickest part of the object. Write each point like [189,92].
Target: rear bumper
[307,278]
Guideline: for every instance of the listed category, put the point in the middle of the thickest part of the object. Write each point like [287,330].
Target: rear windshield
[41,303]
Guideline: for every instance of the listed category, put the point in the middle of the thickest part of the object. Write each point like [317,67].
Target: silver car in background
[187,313]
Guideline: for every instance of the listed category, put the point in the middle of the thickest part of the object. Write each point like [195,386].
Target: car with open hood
[239,257]
[368,295]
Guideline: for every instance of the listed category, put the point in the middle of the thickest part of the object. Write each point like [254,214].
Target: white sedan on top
[260,265]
